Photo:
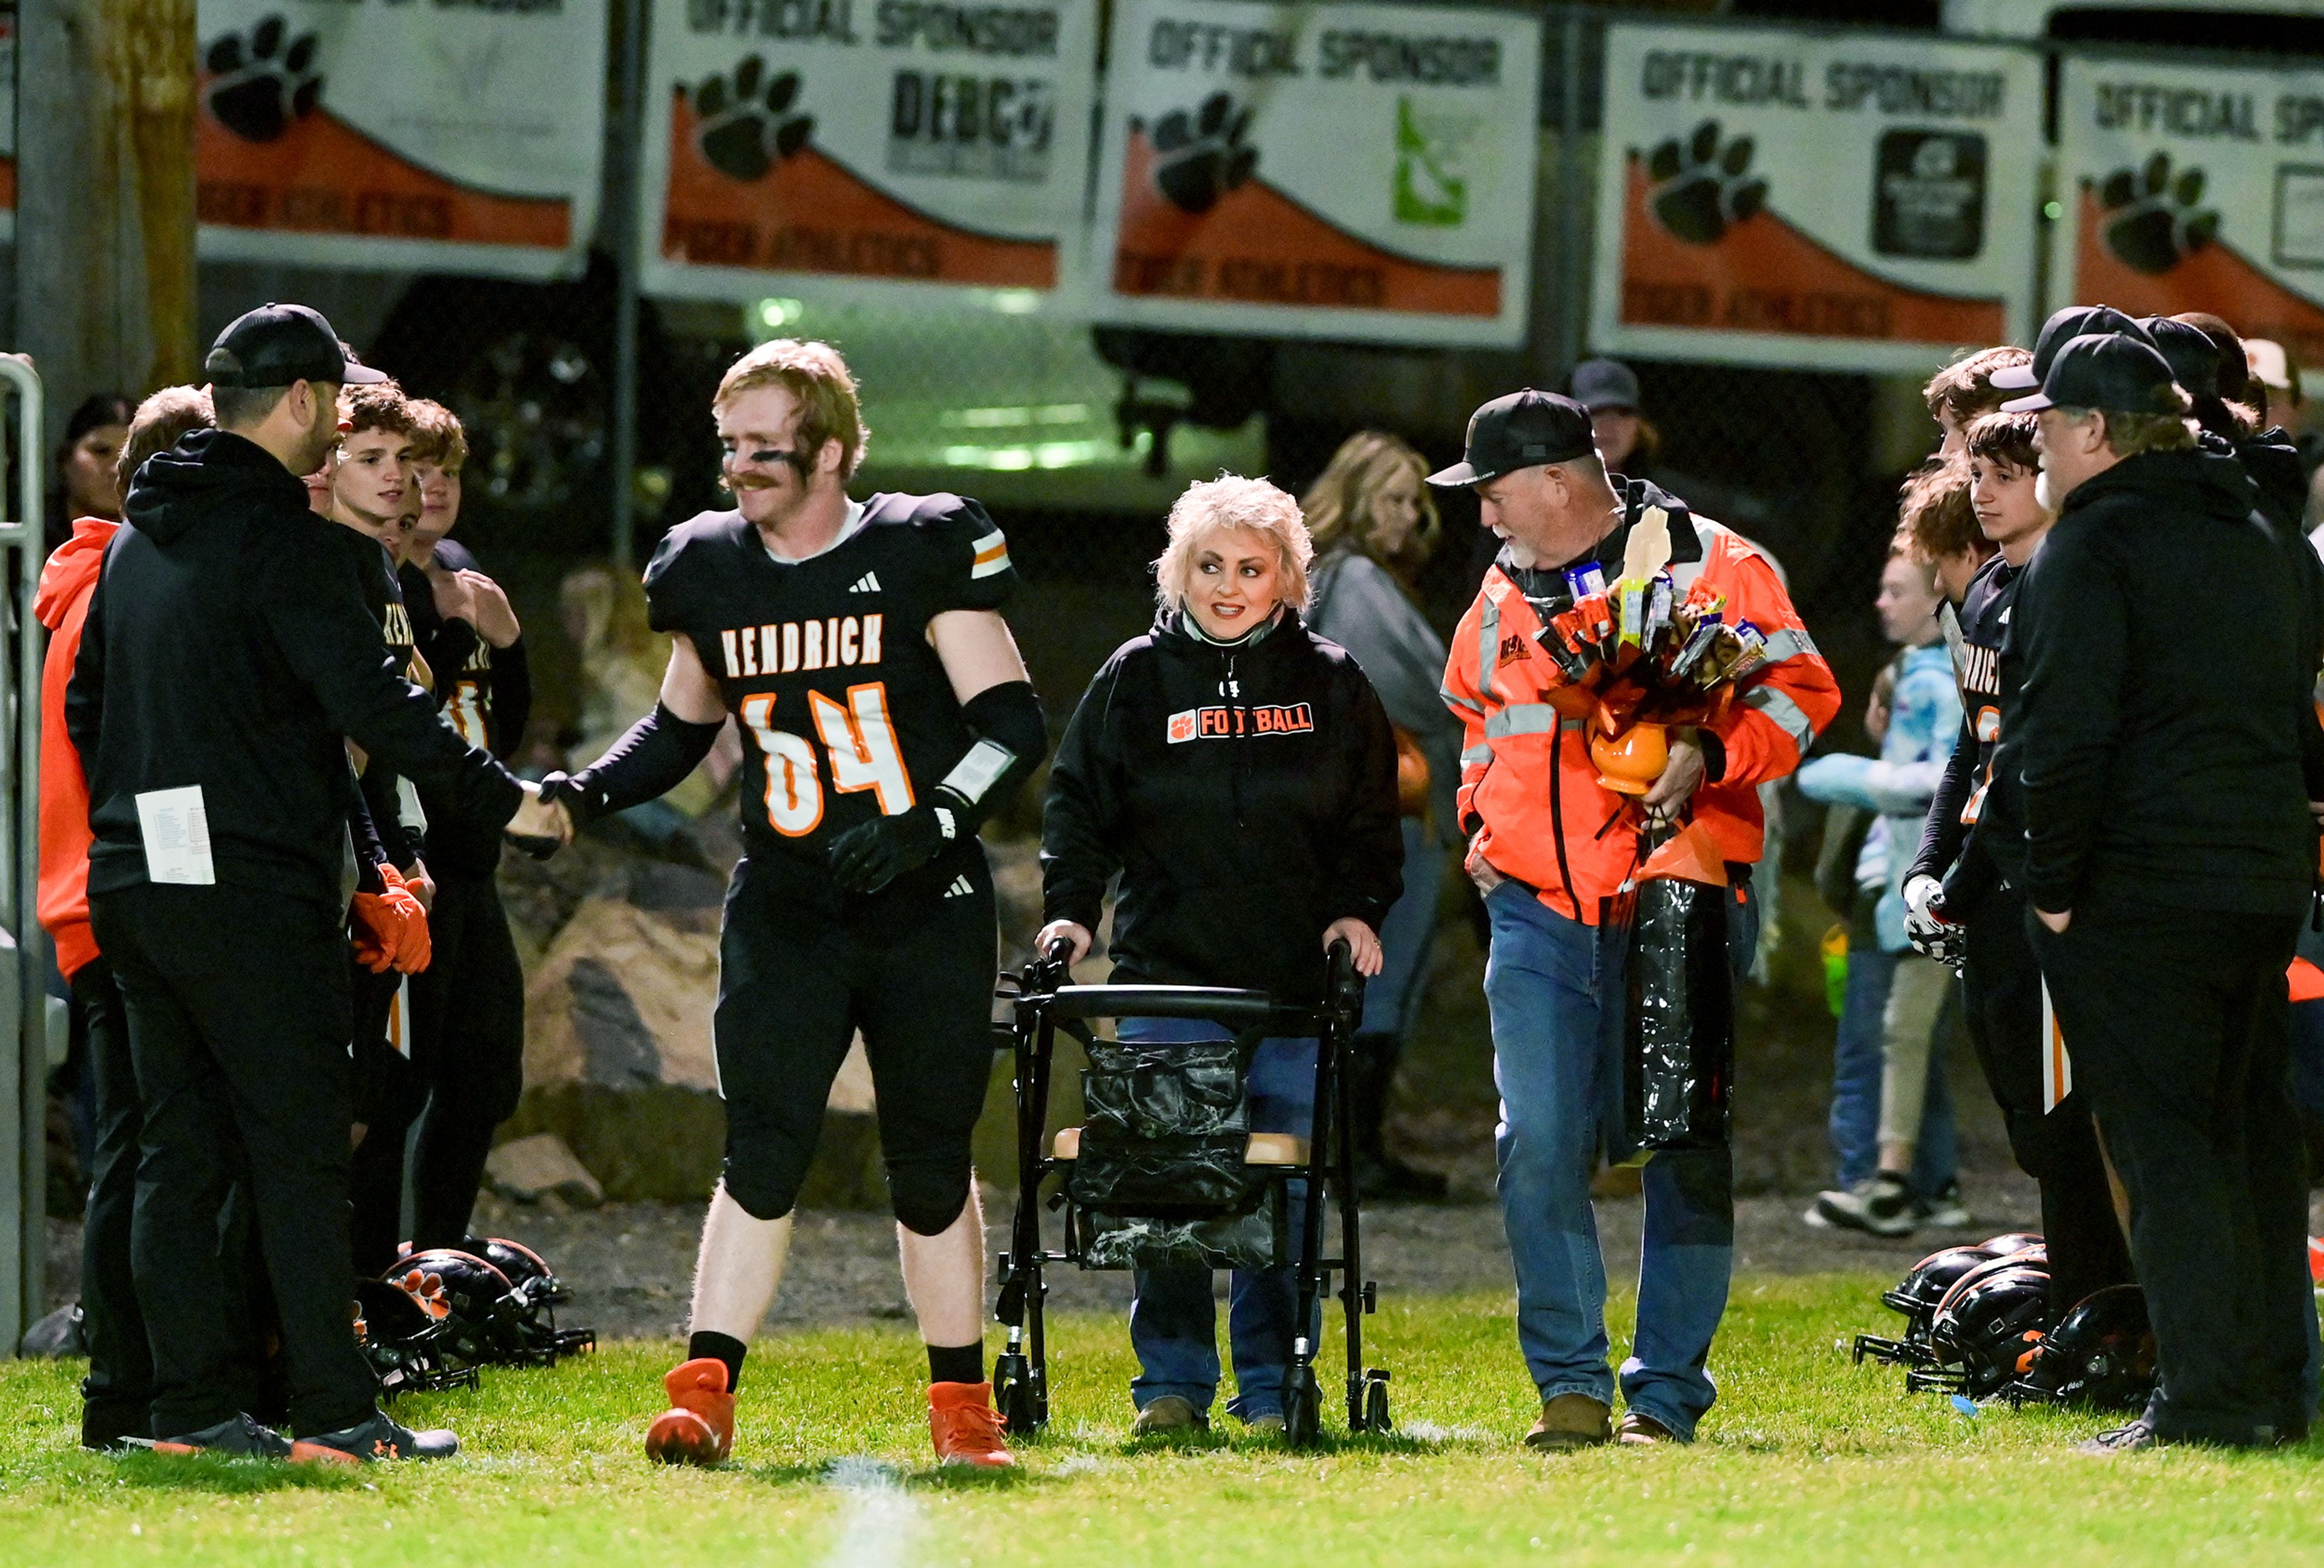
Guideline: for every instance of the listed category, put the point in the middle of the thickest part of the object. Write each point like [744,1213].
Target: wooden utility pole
[106,108]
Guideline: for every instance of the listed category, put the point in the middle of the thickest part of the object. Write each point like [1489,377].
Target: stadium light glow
[1015,301]
[777,311]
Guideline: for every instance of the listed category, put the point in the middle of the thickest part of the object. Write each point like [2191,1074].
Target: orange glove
[390,927]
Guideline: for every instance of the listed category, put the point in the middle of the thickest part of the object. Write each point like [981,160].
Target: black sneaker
[237,1436]
[378,1438]
[1881,1205]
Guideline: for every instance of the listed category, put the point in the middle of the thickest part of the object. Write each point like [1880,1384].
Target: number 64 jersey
[846,710]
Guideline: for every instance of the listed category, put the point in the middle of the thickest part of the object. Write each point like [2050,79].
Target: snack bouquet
[1639,658]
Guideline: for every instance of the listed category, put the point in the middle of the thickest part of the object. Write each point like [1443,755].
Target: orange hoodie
[67,582]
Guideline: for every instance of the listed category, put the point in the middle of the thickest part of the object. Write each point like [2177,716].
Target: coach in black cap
[227,656]
[2062,328]
[2169,748]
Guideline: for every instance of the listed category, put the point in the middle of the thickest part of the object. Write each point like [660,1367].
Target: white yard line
[878,1520]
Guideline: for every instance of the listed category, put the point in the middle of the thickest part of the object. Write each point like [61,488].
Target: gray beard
[2044,496]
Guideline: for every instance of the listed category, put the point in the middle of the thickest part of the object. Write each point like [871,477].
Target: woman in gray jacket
[1372,521]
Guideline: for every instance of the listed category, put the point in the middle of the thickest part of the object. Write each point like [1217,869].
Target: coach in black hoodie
[2169,748]
[227,655]
[1239,773]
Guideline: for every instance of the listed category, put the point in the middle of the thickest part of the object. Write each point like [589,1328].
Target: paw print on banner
[1700,186]
[1199,155]
[746,125]
[258,89]
[2156,221]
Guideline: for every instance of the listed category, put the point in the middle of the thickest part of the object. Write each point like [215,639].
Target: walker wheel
[1375,1416]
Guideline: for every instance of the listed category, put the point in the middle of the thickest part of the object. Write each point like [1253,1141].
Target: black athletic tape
[1009,715]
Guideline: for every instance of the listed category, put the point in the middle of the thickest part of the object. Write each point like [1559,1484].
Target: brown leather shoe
[1570,1421]
[1644,1431]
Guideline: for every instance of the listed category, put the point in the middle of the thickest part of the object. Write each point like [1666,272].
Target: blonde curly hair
[1211,507]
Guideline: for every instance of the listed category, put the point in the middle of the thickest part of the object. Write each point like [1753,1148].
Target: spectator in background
[2287,404]
[1609,388]
[1914,1183]
[1372,520]
[87,483]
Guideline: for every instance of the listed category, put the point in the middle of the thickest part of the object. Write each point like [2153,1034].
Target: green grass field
[1807,1460]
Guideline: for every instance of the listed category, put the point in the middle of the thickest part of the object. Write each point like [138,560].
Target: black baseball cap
[2111,371]
[1522,430]
[2187,349]
[2062,328]
[276,344]
[1599,384]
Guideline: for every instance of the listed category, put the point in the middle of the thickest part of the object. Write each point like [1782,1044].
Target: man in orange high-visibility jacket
[1547,844]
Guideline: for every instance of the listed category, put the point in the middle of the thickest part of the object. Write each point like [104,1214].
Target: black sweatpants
[464,1077]
[2178,1023]
[117,1395]
[236,1000]
[795,983]
[385,1098]
[2001,991]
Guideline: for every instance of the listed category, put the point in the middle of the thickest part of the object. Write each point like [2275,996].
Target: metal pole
[23,1254]
[623,228]
[1578,221]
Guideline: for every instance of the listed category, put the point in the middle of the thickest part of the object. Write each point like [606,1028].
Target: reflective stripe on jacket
[1528,779]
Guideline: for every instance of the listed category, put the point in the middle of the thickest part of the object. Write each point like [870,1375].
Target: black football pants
[464,1077]
[2001,991]
[117,1395]
[236,1000]
[2180,1027]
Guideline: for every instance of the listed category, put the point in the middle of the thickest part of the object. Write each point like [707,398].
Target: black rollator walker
[1165,1170]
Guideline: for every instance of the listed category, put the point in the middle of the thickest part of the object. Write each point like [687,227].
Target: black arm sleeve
[654,757]
[1081,820]
[314,607]
[383,804]
[512,697]
[1942,835]
[1365,847]
[1011,739]
[370,853]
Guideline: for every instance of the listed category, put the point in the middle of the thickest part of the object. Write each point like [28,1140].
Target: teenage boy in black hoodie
[227,658]
[2167,748]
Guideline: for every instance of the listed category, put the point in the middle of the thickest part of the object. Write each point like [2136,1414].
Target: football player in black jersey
[885,714]
[467,1006]
[370,482]
[1965,891]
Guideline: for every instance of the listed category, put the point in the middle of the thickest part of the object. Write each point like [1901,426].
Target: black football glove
[867,858]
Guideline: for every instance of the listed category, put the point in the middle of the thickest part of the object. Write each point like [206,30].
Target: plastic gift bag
[1164,1130]
[1669,1039]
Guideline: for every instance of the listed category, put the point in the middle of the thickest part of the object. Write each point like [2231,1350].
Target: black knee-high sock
[717,1347]
[956,1363]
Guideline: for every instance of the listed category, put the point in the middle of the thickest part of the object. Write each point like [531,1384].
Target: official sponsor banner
[2194,188]
[1334,171]
[1850,201]
[910,142]
[455,135]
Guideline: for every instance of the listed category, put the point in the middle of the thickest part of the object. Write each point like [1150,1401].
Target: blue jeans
[1544,981]
[1173,1319]
[1407,936]
[1856,1059]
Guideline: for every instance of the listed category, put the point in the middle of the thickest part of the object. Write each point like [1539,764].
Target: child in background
[1914,1183]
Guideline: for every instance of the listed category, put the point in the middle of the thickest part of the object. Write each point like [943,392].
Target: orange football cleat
[966,1429]
[698,1428]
